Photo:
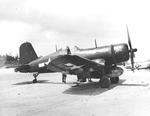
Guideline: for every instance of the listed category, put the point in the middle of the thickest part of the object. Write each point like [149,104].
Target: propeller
[113,54]
[132,55]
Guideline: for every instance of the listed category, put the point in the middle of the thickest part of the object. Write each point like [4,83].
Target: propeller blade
[132,61]
[132,55]
[113,54]
[129,40]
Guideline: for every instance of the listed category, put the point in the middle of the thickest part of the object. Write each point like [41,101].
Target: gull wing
[72,64]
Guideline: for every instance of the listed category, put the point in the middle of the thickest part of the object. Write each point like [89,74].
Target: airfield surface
[50,97]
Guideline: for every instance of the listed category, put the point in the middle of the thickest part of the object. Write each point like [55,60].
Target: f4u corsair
[82,62]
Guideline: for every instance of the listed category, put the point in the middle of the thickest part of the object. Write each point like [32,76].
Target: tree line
[8,59]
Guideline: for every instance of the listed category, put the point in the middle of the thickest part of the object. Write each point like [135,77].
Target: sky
[47,23]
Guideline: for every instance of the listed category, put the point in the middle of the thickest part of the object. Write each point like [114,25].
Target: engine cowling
[118,53]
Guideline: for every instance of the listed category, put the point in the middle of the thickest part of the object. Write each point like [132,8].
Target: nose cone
[135,50]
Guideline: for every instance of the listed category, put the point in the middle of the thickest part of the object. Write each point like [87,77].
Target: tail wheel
[114,80]
[104,83]
[35,79]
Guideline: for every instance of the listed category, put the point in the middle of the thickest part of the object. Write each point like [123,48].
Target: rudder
[27,53]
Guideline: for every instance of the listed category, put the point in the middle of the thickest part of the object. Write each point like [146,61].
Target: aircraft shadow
[30,82]
[40,82]
[92,88]
[144,85]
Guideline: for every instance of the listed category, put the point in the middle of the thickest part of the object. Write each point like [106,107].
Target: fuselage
[121,53]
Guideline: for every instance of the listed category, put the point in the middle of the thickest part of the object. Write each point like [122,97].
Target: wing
[73,64]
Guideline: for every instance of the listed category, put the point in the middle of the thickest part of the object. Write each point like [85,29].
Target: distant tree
[11,59]
[2,60]
[16,58]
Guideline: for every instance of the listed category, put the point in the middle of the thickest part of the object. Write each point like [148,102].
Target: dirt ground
[50,97]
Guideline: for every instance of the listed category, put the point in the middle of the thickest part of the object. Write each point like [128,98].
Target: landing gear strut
[35,79]
[64,78]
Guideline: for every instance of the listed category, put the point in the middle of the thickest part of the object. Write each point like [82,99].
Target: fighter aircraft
[85,63]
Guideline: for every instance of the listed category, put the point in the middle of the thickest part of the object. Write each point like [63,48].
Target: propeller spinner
[131,50]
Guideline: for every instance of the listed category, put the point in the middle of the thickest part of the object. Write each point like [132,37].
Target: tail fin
[27,53]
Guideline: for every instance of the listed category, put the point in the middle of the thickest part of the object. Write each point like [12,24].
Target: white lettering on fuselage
[41,65]
[44,63]
[49,60]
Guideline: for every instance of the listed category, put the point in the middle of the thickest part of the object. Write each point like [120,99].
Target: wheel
[104,83]
[81,77]
[34,80]
[114,80]
[35,76]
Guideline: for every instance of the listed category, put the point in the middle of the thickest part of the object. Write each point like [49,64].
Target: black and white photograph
[74,58]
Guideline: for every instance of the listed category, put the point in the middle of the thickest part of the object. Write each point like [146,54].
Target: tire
[114,80]
[35,81]
[104,83]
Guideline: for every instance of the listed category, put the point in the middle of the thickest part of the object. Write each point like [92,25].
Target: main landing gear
[105,81]
[35,79]
[114,80]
